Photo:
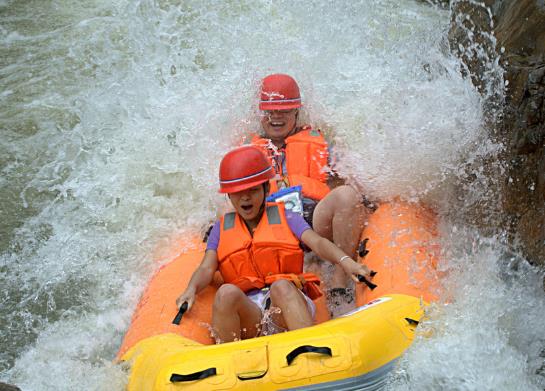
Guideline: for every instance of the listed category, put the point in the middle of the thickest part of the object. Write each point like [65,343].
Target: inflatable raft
[355,351]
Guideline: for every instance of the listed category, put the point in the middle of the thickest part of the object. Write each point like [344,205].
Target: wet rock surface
[8,387]
[514,33]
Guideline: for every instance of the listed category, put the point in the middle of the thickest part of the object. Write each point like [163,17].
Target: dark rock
[8,387]
[471,38]
[514,31]
[440,3]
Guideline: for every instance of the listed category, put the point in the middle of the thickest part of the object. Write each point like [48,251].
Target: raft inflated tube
[359,345]
[356,350]
[400,244]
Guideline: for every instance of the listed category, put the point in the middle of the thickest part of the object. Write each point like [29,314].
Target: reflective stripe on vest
[229,221]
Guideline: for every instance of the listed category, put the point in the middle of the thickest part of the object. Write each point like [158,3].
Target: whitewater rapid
[114,116]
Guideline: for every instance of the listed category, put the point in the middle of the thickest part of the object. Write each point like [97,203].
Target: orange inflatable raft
[355,351]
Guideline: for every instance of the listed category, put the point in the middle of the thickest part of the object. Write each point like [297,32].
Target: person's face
[248,202]
[278,124]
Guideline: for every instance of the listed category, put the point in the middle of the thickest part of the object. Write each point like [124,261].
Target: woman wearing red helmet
[300,157]
[257,250]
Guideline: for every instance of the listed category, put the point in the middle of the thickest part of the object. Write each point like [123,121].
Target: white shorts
[262,299]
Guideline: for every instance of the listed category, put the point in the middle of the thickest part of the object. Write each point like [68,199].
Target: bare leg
[234,315]
[339,217]
[294,313]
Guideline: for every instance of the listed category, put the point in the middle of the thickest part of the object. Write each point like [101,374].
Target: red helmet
[243,168]
[279,92]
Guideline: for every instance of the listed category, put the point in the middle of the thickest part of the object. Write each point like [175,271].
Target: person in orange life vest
[257,250]
[300,157]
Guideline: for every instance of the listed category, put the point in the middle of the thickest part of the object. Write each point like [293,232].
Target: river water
[114,116]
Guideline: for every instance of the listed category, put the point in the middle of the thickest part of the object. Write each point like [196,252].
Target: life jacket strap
[309,283]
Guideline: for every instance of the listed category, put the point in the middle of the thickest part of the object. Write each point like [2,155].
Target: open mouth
[246,208]
[277,124]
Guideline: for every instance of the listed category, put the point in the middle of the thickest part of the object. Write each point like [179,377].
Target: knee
[341,199]
[282,290]
[346,197]
[226,296]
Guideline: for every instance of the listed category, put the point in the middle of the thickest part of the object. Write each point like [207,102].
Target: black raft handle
[307,349]
[180,313]
[176,378]
[362,248]
[412,322]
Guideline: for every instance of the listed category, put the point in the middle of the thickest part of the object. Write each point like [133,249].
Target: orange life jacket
[306,157]
[272,253]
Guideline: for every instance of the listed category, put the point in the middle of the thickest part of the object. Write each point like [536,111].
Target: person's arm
[200,279]
[328,251]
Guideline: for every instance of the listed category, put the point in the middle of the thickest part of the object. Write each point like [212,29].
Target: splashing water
[268,326]
[114,116]
[489,334]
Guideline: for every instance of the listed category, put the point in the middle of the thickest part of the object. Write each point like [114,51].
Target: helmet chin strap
[295,128]
[266,188]
[261,208]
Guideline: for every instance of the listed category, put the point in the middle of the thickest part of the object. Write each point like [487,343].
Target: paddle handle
[366,281]
[181,312]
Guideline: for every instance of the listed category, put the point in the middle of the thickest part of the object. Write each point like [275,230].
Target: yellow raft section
[355,351]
